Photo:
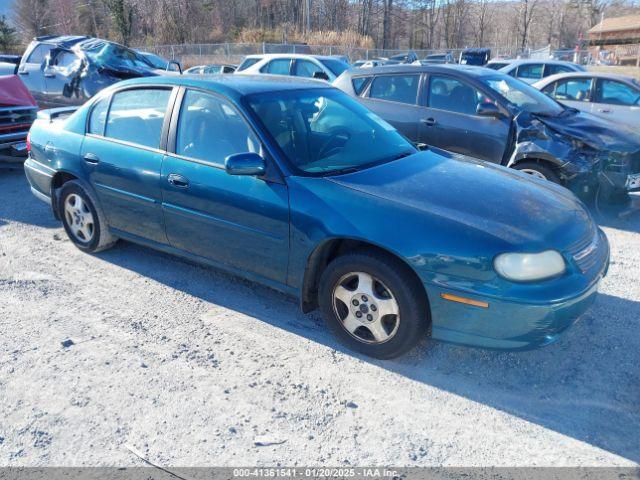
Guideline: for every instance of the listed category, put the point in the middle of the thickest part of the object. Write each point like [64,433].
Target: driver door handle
[91,158]
[429,122]
[178,180]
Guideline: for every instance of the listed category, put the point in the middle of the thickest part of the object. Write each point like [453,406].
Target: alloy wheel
[79,218]
[366,308]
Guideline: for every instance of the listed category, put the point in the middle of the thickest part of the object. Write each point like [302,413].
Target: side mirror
[488,110]
[176,63]
[320,75]
[245,164]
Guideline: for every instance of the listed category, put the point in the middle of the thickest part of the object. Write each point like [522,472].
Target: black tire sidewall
[74,188]
[414,316]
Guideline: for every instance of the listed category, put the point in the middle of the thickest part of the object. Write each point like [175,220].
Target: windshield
[113,55]
[522,96]
[336,66]
[324,131]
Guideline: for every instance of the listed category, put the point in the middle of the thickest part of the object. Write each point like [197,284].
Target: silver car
[530,71]
[614,97]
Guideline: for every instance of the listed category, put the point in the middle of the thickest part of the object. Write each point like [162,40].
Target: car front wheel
[374,304]
[538,170]
[82,219]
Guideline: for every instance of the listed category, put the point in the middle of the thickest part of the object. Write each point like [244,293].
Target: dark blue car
[295,185]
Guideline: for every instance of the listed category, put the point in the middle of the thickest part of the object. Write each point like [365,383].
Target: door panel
[31,72]
[449,122]
[127,181]
[238,221]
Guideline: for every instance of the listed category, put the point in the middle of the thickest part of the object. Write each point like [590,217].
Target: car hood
[500,202]
[591,130]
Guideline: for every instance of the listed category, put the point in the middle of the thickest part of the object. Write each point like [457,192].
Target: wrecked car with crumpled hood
[68,70]
[494,117]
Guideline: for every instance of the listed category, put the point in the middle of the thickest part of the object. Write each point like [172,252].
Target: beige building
[616,40]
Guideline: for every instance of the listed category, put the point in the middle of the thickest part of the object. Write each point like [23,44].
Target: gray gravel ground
[134,348]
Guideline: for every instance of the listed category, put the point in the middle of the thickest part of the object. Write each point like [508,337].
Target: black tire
[100,239]
[414,315]
[540,167]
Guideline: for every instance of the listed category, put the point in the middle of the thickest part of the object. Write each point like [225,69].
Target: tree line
[387,24]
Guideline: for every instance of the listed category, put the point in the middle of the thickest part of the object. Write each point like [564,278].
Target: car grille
[15,119]
[588,252]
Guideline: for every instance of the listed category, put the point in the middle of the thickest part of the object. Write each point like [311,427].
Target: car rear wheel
[538,170]
[373,304]
[82,218]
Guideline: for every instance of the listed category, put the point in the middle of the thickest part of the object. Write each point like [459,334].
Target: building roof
[616,24]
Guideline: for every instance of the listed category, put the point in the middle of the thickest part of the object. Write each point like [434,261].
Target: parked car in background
[408,57]
[531,71]
[436,58]
[612,97]
[475,56]
[367,63]
[161,63]
[17,112]
[67,70]
[297,65]
[210,69]
[497,64]
[564,54]
[305,190]
[491,116]
[9,64]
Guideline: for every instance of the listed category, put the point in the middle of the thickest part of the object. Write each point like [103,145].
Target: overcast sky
[5,7]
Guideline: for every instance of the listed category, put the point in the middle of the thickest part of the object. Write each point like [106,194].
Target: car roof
[233,86]
[524,61]
[62,40]
[429,68]
[610,76]
[293,55]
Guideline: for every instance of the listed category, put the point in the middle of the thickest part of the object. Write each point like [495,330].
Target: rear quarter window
[359,84]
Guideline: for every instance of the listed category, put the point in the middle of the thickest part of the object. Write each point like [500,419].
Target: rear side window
[98,117]
[279,66]
[210,129]
[395,88]
[137,116]
[247,63]
[616,93]
[305,68]
[532,71]
[359,84]
[454,95]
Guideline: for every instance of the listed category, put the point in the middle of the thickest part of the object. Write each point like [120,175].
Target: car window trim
[163,140]
[273,175]
[367,90]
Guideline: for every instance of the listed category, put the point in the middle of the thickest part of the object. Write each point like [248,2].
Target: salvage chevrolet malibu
[293,184]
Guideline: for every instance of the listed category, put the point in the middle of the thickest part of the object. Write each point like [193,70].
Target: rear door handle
[178,180]
[91,158]
[429,122]
[604,110]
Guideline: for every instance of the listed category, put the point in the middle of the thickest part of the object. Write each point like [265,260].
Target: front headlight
[526,267]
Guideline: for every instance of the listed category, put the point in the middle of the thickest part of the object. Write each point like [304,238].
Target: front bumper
[520,323]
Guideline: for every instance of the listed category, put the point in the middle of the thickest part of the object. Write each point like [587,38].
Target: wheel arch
[332,248]
[57,181]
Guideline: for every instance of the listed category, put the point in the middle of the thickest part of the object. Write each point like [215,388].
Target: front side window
[575,89]
[137,115]
[279,66]
[531,71]
[616,93]
[305,68]
[210,129]
[335,65]
[359,84]
[553,69]
[453,95]
[395,88]
[325,131]
[38,55]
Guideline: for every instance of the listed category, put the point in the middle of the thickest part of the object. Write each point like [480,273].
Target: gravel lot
[135,348]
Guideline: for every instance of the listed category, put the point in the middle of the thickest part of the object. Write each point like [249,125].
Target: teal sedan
[293,184]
